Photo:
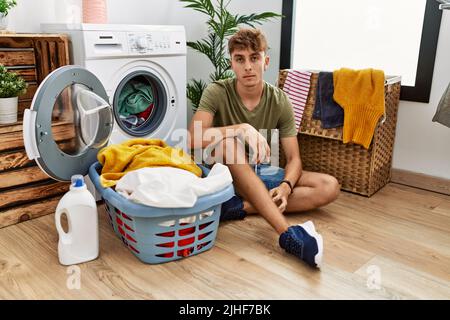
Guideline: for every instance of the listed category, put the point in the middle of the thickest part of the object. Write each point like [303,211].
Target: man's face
[249,66]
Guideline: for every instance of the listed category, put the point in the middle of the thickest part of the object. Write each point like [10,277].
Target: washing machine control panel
[149,42]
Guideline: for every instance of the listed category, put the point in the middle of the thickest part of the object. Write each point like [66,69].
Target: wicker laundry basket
[357,169]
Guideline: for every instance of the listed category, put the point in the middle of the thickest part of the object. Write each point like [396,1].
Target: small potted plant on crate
[11,86]
[5,6]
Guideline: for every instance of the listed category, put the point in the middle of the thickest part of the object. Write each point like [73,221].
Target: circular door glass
[140,103]
[80,120]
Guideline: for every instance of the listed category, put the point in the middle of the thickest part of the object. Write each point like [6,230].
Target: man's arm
[293,169]
[292,172]
[202,134]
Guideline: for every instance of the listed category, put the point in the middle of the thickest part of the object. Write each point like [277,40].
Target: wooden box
[25,191]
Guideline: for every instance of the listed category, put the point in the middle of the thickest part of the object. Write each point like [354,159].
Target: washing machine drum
[140,103]
[68,122]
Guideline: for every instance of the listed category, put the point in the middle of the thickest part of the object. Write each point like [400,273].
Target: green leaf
[214,27]
[216,76]
[194,90]
[11,84]
[230,25]
[204,47]
[6,5]
[225,64]
[217,47]
[254,18]
[203,6]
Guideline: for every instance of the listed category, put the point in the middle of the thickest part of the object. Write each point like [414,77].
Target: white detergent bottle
[81,242]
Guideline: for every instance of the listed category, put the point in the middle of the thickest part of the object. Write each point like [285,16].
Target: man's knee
[329,187]
[326,189]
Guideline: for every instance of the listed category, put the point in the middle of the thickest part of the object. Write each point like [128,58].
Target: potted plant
[221,25]
[5,6]
[11,86]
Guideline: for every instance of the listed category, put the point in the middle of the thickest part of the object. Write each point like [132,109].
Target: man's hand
[280,195]
[256,141]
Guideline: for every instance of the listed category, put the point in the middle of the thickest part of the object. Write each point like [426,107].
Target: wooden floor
[395,245]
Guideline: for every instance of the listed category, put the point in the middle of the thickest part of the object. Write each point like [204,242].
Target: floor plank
[408,283]
[400,231]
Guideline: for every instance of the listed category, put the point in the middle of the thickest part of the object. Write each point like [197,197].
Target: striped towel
[296,87]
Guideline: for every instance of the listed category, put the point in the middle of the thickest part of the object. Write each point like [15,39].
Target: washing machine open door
[68,122]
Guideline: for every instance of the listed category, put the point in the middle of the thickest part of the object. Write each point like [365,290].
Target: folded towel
[443,110]
[361,94]
[118,159]
[326,109]
[166,187]
[296,87]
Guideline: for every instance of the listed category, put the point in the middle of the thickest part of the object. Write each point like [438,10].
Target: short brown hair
[248,39]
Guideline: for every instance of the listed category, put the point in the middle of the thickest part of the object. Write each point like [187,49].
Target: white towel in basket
[168,187]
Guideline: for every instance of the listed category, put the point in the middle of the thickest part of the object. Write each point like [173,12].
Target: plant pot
[3,21]
[8,110]
[94,11]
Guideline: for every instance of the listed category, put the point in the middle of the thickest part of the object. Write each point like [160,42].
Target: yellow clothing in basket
[361,94]
[118,159]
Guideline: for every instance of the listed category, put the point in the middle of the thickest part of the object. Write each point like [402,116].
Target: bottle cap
[77,181]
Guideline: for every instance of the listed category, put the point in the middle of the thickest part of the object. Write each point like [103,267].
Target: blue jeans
[271,176]
[234,208]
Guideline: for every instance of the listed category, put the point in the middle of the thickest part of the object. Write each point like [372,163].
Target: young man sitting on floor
[231,112]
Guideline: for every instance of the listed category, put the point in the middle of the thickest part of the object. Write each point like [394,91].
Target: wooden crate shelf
[25,191]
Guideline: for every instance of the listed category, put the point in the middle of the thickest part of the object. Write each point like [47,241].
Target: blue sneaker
[304,242]
[232,209]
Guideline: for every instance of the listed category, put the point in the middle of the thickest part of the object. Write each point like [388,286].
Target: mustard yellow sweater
[118,159]
[361,94]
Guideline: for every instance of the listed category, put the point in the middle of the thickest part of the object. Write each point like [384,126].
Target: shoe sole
[309,227]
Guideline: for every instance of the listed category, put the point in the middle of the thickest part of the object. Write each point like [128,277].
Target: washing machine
[143,70]
[76,110]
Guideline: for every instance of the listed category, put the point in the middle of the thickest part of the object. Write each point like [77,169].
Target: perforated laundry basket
[158,235]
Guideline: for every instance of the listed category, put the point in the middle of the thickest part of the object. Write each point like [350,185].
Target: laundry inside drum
[140,104]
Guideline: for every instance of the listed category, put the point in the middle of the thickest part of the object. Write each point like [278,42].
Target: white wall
[28,15]
[421,145]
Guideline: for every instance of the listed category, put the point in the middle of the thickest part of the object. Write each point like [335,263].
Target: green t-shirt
[274,110]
